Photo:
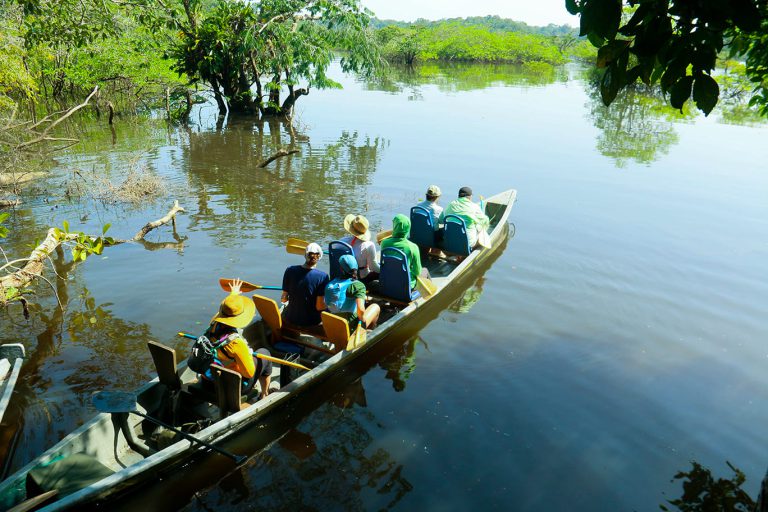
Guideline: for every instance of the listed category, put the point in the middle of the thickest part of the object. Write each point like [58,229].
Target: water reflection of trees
[456,77]
[637,126]
[401,363]
[703,493]
[78,349]
[305,195]
[334,468]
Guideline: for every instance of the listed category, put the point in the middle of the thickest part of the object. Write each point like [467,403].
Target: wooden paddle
[226,285]
[297,246]
[384,234]
[425,286]
[260,356]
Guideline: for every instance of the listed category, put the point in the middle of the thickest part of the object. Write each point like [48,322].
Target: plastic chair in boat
[336,250]
[422,228]
[455,239]
[395,276]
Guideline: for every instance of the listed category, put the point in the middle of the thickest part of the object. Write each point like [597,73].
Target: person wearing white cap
[430,203]
[303,290]
[362,247]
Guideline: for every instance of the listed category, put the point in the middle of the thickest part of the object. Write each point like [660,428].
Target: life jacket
[336,296]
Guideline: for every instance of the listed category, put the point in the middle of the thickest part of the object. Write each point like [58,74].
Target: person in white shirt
[363,248]
[430,203]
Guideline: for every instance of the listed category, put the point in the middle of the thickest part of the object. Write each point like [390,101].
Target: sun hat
[235,311]
[314,249]
[348,263]
[357,226]
[465,192]
[433,191]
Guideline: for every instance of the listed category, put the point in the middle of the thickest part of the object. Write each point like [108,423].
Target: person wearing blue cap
[345,296]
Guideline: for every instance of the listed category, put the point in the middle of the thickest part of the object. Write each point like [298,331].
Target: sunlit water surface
[620,335]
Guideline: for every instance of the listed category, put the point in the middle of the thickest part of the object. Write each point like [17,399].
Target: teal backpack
[336,296]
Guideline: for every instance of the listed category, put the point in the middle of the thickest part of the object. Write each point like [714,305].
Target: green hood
[401,226]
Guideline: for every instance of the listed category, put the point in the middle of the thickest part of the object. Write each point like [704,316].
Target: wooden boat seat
[336,330]
[270,313]
[228,391]
[225,383]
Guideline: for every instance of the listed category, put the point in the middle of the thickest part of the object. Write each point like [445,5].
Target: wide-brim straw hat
[235,311]
[357,226]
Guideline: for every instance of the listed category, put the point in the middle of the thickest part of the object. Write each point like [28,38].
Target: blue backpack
[336,296]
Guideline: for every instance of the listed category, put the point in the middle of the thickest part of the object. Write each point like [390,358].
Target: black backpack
[203,353]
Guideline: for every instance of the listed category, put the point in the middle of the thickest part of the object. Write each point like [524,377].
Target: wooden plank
[270,313]
[228,389]
[336,330]
[165,363]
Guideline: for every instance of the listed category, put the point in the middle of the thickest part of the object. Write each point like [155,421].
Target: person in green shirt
[401,228]
[475,219]
[345,296]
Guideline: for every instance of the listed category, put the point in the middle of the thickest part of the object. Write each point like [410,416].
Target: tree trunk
[219,98]
[287,107]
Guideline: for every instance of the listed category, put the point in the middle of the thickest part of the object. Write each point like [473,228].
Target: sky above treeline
[532,12]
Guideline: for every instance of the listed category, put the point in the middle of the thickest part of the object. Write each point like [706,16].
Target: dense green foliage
[675,43]
[492,23]
[271,44]
[454,41]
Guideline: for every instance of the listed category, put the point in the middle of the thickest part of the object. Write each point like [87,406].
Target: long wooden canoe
[121,468]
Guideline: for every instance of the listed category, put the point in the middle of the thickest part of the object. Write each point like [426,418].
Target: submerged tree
[236,46]
[675,42]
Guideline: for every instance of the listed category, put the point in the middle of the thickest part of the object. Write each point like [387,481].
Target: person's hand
[235,286]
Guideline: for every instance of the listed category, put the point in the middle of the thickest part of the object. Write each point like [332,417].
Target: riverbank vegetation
[488,39]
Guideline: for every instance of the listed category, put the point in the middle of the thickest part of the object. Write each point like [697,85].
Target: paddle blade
[426,287]
[281,361]
[114,401]
[226,285]
[297,241]
[384,234]
[295,249]
[358,338]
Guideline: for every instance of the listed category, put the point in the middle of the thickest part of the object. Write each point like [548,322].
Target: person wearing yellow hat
[233,352]
[363,248]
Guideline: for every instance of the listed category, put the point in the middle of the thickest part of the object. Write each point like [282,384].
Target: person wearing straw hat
[234,353]
[362,247]
[303,290]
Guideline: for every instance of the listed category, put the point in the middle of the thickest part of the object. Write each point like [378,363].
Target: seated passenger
[363,248]
[345,297]
[401,228]
[225,331]
[475,219]
[303,288]
[430,203]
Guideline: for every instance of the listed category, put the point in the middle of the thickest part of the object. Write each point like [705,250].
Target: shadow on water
[326,462]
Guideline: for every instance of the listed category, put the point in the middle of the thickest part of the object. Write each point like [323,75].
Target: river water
[620,335]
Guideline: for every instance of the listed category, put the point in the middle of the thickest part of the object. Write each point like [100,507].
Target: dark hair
[430,198]
[352,273]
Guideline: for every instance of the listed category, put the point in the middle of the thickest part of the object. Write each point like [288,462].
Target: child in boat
[345,297]
[235,313]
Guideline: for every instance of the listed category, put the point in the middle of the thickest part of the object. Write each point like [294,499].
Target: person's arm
[320,303]
[320,300]
[360,307]
[284,296]
[244,358]
[370,258]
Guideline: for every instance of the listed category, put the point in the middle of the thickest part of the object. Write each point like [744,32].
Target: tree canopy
[676,43]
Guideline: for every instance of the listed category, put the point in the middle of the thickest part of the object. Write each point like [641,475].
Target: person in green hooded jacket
[401,228]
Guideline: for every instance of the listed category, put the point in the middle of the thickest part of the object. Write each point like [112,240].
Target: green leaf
[66,226]
[705,93]
[105,228]
[4,216]
[609,85]
[680,92]
[572,6]
[83,255]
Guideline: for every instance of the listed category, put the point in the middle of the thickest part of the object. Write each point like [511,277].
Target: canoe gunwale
[223,429]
